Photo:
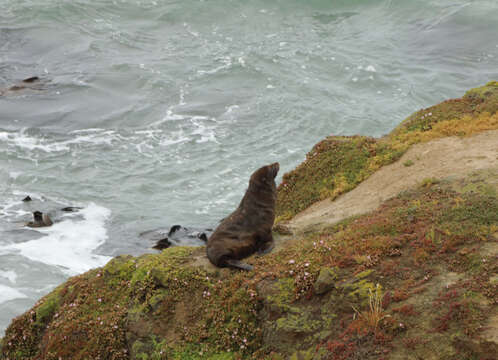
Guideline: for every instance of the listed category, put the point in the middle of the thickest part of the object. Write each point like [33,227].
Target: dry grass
[375,313]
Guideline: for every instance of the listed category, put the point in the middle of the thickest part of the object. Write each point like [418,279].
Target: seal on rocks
[40,220]
[248,229]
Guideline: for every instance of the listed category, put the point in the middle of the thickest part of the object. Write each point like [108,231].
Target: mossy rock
[326,280]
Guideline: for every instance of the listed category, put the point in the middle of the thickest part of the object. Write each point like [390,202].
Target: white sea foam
[25,141]
[9,275]
[14,174]
[31,143]
[69,244]
[8,293]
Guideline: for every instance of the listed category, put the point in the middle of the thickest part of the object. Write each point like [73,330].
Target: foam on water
[9,275]
[25,141]
[7,293]
[70,243]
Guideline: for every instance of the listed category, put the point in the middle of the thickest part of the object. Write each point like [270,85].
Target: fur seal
[248,229]
[29,83]
[40,220]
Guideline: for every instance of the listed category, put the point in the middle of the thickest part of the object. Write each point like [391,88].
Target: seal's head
[38,216]
[265,175]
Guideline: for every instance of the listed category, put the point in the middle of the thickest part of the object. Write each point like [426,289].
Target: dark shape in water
[40,220]
[176,235]
[174,229]
[28,83]
[31,79]
[71,208]
[162,244]
[27,198]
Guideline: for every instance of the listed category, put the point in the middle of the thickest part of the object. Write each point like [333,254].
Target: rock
[177,235]
[325,281]
[71,208]
[162,244]
[27,198]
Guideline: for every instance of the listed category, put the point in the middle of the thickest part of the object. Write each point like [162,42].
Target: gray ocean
[152,113]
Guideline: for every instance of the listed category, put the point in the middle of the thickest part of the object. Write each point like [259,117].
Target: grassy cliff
[338,163]
[415,279]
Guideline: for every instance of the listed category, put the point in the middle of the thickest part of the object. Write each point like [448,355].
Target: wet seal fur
[29,83]
[248,229]
[40,220]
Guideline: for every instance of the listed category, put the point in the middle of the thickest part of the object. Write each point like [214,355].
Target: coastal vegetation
[414,279]
[337,164]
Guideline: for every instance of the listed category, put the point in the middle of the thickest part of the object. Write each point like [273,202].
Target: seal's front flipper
[266,248]
[239,265]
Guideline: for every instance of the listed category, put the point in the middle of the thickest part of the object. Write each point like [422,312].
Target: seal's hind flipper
[239,265]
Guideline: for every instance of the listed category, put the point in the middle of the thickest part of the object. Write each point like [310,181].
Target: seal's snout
[275,167]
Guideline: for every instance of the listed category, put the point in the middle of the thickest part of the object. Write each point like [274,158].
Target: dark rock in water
[40,220]
[71,208]
[203,237]
[27,198]
[174,229]
[31,79]
[162,244]
[177,235]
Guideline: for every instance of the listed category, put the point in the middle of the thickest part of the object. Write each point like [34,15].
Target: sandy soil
[441,158]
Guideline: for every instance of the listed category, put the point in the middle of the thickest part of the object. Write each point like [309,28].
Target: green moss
[359,291]
[483,92]
[195,352]
[364,274]
[160,350]
[48,307]
[333,166]
[284,295]
[298,323]
[304,355]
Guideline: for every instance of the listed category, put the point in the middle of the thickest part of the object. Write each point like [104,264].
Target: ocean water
[153,113]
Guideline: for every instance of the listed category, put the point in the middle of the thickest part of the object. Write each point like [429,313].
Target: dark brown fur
[248,229]
[29,83]
[40,220]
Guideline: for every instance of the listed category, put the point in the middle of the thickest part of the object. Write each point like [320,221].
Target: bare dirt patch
[441,158]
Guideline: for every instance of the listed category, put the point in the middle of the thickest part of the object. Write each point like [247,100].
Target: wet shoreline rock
[176,235]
